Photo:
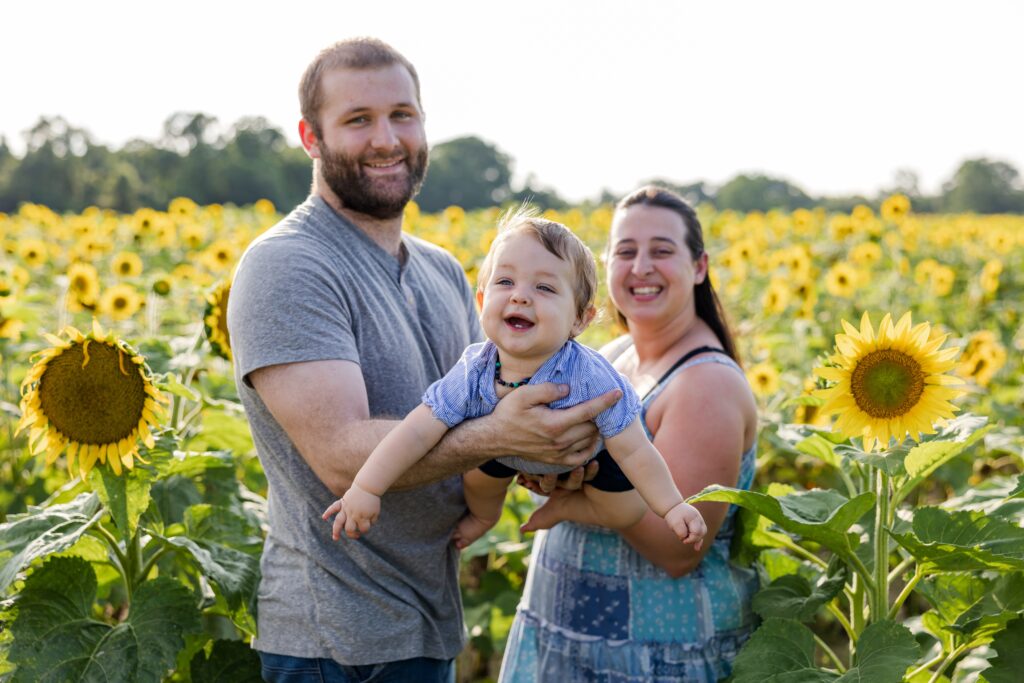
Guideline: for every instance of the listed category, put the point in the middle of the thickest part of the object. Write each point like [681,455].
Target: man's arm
[323,407]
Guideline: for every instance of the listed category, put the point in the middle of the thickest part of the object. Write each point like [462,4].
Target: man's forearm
[463,448]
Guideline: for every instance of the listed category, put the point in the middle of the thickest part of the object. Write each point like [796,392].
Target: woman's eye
[626,253]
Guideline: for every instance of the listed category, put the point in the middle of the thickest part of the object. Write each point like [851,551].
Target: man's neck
[385,232]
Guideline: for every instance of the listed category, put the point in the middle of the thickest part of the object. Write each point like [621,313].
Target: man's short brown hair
[354,53]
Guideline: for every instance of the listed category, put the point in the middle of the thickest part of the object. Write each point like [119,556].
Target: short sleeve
[603,378]
[284,308]
[449,398]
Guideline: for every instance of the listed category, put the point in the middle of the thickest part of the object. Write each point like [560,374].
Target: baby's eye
[503,281]
[546,288]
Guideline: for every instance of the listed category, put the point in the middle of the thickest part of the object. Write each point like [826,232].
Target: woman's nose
[642,265]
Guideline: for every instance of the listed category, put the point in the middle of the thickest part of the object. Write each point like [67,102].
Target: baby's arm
[646,469]
[403,446]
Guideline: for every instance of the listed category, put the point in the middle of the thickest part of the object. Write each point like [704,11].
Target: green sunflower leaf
[1018,491]
[220,544]
[56,639]
[822,516]
[975,608]
[940,448]
[171,384]
[44,531]
[230,661]
[963,541]
[995,496]
[126,495]
[1009,661]
[780,651]
[890,462]
[885,650]
[793,596]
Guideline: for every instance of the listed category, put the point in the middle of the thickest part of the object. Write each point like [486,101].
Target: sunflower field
[887,523]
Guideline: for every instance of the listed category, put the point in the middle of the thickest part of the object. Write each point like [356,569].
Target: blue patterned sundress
[594,609]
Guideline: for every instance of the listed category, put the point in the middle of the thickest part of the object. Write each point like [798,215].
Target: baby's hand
[687,523]
[356,512]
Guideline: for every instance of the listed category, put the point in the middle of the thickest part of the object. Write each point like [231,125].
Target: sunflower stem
[901,567]
[834,610]
[881,587]
[151,562]
[946,662]
[905,593]
[119,557]
[831,655]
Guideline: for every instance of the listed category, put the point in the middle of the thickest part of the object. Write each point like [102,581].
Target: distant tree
[984,186]
[760,193]
[467,172]
[541,196]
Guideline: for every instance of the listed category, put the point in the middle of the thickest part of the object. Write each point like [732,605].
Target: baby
[535,290]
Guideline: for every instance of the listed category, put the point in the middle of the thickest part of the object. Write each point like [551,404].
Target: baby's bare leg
[485,498]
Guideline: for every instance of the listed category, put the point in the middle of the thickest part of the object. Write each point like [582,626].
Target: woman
[638,605]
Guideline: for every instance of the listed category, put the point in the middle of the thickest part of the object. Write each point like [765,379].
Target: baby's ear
[480,298]
[583,321]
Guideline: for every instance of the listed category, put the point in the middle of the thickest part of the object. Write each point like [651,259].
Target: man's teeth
[646,290]
[387,164]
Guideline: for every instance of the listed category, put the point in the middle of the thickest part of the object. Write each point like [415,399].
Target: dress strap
[686,356]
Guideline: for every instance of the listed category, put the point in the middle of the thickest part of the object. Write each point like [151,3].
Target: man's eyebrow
[630,240]
[364,108]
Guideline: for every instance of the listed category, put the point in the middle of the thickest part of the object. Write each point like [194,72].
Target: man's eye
[358,120]
[401,115]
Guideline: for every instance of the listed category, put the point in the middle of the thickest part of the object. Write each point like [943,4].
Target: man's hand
[524,425]
[543,484]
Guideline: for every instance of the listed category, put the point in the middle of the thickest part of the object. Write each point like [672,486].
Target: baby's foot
[469,529]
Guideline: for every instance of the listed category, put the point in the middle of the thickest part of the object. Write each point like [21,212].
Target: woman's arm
[701,420]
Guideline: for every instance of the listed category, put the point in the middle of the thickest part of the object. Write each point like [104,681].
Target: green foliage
[466,172]
[57,639]
[230,661]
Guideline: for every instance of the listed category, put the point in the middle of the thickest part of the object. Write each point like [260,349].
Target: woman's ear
[583,320]
[700,268]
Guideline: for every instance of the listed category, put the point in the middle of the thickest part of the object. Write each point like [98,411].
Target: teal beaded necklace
[499,380]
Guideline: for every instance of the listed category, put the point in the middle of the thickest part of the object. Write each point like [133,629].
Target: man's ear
[583,321]
[309,139]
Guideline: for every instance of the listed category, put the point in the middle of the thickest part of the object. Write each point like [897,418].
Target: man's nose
[384,136]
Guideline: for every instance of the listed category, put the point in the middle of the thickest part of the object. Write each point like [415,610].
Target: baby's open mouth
[518,323]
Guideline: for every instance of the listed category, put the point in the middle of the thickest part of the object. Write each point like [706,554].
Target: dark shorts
[286,669]
[609,475]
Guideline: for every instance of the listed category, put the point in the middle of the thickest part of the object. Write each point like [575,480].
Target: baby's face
[528,306]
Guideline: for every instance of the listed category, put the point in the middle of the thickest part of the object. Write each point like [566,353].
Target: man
[338,323]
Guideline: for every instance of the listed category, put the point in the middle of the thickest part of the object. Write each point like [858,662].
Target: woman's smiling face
[651,271]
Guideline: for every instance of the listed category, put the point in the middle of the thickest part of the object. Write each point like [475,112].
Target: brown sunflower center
[98,404]
[887,383]
[120,303]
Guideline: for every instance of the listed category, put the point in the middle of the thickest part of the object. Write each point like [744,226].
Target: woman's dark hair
[709,308]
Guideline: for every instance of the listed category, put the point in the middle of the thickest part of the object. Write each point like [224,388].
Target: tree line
[65,168]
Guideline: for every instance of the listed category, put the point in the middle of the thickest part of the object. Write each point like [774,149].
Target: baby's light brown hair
[557,239]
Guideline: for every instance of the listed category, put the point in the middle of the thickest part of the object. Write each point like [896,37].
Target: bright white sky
[834,96]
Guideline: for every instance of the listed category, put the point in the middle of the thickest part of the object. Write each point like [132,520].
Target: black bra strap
[687,356]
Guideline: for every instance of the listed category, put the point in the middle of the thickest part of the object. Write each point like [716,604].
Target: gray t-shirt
[314,287]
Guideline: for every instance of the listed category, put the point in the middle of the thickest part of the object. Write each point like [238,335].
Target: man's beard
[378,197]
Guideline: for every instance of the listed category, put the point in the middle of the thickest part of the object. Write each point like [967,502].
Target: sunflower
[33,252]
[126,264]
[942,279]
[83,286]
[120,302]
[92,396]
[219,256]
[896,208]
[866,254]
[889,384]
[764,379]
[982,358]
[841,280]
[10,328]
[215,318]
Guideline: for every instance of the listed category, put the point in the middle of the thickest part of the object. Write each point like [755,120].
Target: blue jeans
[286,669]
